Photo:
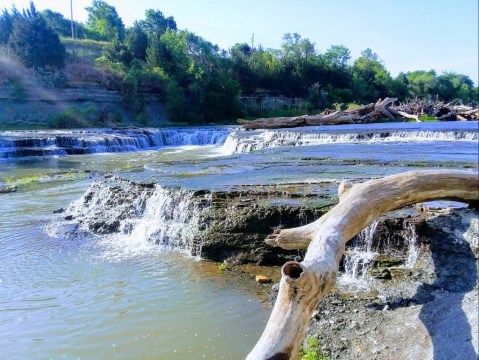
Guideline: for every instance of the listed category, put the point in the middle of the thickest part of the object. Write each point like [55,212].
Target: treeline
[198,81]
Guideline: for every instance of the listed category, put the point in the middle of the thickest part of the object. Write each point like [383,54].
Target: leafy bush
[74,117]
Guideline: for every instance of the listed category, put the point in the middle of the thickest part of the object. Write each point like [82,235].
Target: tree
[117,51]
[421,83]
[36,45]
[6,26]
[57,22]
[156,23]
[304,284]
[104,22]
[137,41]
[370,79]
[450,86]
[337,56]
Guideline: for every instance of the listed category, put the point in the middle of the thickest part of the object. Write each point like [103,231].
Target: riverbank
[420,309]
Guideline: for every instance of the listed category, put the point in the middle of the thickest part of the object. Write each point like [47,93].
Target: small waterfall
[358,260]
[134,215]
[241,142]
[76,142]
[172,217]
[413,251]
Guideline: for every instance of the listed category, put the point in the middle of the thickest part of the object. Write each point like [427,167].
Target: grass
[23,126]
[427,118]
[223,266]
[310,351]
[87,50]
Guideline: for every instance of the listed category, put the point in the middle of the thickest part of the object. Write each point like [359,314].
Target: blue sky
[407,34]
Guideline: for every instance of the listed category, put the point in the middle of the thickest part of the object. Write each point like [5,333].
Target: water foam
[241,142]
[358,260]
[130,219]
[72,142]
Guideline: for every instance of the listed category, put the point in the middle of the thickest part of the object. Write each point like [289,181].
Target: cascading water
[358,260]
[74,142]
[413,251]
[240,142]
[172,217]
[131,216]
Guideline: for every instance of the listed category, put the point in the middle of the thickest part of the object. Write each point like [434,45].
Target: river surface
[120,297]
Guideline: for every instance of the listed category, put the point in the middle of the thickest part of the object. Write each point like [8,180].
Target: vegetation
[311,350]
[200,83]
[35,44]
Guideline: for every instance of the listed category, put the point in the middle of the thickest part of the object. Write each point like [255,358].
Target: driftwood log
[304,284]
[382,109]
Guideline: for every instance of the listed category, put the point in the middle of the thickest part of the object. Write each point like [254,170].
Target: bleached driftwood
[304,284]
[369,113]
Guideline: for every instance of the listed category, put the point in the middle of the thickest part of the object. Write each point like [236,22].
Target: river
[93,296]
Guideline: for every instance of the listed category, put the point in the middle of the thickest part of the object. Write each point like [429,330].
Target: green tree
[6,25]
[137,41]
[370,79]
[337,56]
[117,51]
[104,22]
[156,23]
[36,45]
[450,86]
[421,83]
[240,69]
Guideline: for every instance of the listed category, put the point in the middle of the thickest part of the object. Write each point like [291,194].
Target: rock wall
[36,105]
[217,225]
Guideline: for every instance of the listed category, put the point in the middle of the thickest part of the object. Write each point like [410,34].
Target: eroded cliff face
[88,104]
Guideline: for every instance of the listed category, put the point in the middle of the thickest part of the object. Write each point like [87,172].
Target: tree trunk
[304,284]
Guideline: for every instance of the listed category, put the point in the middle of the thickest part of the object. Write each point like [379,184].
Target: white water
[238,142]
[69,142]
[413,251]
[358,260]
[169,217]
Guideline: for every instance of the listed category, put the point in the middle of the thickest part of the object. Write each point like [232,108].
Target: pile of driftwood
[382,109]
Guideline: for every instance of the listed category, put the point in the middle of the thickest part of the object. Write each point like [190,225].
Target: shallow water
[122,297]
[99,298]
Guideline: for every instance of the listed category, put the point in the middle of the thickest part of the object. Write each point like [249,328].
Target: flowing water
[143,292]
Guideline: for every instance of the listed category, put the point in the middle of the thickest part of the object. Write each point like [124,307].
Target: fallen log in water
[382,109]
[304,284]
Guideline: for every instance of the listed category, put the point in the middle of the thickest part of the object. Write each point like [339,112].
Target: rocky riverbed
[426,310]
[412,294]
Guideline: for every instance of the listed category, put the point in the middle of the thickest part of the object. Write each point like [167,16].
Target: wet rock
[262,279]
[225,225]
[7,189]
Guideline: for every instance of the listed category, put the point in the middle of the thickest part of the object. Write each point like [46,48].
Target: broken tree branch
[304,284]
[382,109]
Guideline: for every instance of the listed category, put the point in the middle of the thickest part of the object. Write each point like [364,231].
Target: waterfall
[244,142]
[135,214]
[15,144]
[172,217]
[358,260]
[413,251]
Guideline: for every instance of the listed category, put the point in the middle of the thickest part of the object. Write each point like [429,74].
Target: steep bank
[30,105]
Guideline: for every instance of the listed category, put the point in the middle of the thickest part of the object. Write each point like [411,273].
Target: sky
[406,34]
